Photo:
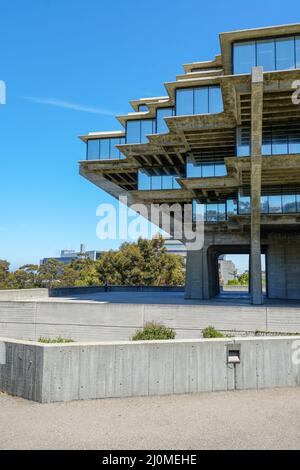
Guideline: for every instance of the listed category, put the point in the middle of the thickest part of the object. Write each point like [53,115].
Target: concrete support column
[256,163]
[196,284]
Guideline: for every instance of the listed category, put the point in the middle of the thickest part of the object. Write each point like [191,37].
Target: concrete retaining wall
[51,373]
[23,294]
[96,321]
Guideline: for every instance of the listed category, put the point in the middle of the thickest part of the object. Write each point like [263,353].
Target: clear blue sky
[92,54]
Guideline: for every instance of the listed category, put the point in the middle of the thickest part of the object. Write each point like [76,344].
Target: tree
[4,273]
[50,273]
[80,272]
[142,263]
[23,278]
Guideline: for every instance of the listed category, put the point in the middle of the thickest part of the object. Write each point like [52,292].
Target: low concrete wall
[97,321]
[62,372]
[23,294]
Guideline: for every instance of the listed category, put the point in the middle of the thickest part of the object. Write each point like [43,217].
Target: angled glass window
[104,149]
[184,101]
[275,204]
[138,129]
[201,100]
[144,180]
[93,149]
[212,212]
[244,57]
[161,113]
[231,207]
[208,170]
[298,202]
[243,141]
[133,132]
[272,54]
[285,53]
[215,100]
[147,181]
[266,54]
[264,204]
[146,129]
[289,203]
[156,182]
[244,205]
[297,45]
[294,139]
[193,169]
[198,211]
[279,142]
[220,169]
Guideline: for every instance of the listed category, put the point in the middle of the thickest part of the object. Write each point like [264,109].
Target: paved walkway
[268,419]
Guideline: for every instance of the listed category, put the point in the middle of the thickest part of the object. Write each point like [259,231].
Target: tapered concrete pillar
[196,283]
[256,163]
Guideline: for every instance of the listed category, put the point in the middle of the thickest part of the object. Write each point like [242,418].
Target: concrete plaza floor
[267,419]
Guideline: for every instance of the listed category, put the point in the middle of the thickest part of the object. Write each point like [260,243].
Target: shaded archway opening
[229,271]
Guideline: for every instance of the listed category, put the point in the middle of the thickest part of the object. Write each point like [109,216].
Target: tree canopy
[144,262]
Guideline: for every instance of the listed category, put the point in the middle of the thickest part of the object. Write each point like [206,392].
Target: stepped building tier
[225,137]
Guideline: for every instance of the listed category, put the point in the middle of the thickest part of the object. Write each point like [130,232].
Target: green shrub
[154,330]
[59,339]
[211,332]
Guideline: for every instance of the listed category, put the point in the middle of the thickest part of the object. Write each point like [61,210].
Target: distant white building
[66,256]
[227,270]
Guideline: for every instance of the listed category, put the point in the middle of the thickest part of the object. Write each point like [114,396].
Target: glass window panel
[231,207]
[208,170]
[161,113]
[144,181]
[184,102]
[201,100]
[146,129]
[244,205]
[193,169]
[275,205]
[244,57]
[176,185]
[266,54]
[104,149]
[198,212]
[297,44]
[167,182]
[156,182]
[220,170]
[298,202]
[215,100]
[212,212]
[114,152]
[93,152]
[279,143]
[288,203]
[243,142]
[221,211]
[264,204]
[294,142]
[133,132]
[267,144]
[285,54]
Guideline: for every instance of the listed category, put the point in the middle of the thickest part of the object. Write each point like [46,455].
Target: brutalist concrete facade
[226,136]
